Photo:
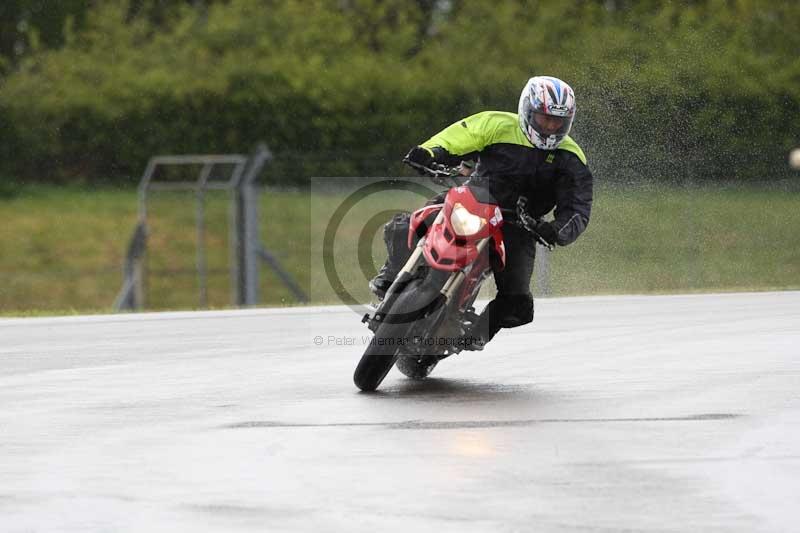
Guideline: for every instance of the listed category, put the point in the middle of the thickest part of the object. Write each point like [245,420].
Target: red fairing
[416,219]
[444,249]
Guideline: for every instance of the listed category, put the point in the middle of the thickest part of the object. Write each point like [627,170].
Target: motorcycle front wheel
[419,301]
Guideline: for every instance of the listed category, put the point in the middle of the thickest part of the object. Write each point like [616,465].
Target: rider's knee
[395,235]
[398,225]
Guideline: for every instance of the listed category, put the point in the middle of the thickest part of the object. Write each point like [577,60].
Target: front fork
[406,274]
[457,278]
[403,278]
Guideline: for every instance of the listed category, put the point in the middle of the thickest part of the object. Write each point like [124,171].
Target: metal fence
[235,174]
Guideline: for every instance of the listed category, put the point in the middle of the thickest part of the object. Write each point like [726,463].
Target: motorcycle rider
[528,153]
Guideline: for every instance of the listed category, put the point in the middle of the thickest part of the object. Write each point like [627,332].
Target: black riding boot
[381,283]
[481,332]
[505,311]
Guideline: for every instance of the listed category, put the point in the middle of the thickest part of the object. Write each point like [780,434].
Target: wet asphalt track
[674,413]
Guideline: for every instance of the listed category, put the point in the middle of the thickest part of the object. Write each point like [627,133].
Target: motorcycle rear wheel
[414,367]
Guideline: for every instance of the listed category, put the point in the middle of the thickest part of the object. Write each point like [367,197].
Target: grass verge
[62,249]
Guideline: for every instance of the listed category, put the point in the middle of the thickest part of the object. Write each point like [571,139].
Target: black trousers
[513,304]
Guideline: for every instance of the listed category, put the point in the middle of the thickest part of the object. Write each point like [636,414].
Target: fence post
[131,297]
[246,235]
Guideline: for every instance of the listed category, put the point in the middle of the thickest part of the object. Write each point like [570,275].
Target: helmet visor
[547,125]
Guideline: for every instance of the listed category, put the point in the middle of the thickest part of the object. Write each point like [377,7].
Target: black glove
[419,157]
[546,232]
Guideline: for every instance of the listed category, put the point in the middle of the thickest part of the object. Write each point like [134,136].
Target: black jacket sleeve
[573,198]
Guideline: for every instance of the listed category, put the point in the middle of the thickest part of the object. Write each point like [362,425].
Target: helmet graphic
[546,111]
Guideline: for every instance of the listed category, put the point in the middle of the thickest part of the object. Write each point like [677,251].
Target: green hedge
[704,91]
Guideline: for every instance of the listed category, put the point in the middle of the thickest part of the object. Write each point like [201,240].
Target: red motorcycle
[427,314]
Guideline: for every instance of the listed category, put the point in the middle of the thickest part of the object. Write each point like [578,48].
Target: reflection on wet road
[671,413]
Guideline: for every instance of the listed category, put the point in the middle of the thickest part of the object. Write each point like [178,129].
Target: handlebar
[528,222]
[439,174]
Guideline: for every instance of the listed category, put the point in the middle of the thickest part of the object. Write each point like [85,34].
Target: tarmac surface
[633,413]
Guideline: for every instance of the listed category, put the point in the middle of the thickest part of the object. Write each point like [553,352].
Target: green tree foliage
[25,25]
[704,89]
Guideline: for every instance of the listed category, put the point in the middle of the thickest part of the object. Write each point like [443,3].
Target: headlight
[465,223]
